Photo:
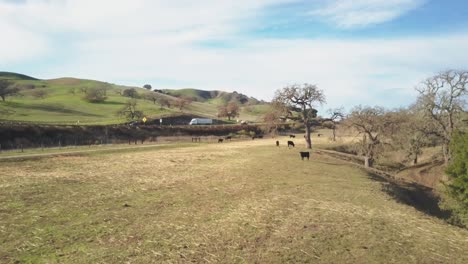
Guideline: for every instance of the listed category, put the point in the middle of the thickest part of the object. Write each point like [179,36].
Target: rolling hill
[215,97]
[15,76]
[60,101]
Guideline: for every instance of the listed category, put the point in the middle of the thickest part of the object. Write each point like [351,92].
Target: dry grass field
[236,202]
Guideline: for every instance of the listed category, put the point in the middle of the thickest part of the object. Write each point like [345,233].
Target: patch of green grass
[242,202]
[64,103]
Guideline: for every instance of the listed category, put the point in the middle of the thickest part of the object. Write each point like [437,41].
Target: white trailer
[201,121]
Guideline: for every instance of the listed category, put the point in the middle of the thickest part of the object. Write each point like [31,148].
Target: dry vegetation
[241,202]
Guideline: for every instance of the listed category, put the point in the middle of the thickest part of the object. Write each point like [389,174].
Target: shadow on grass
[420,197]
[111,103]
[50,108]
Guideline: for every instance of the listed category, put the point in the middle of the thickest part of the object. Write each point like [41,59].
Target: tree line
[437,118]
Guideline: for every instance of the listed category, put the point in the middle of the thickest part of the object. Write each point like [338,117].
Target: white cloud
[123,17]
[18,44]
[29,23]
[144,41]
[351,71]
[361,13]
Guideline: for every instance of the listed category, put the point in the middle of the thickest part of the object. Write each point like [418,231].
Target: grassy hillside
[214,97]
[64,102]
[15,76]
[239,202]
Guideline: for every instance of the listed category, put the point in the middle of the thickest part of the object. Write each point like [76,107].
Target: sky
[368,52]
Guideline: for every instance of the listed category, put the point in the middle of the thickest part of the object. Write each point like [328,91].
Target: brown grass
[239,202]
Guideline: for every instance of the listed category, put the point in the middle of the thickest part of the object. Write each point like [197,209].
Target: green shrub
[457,188]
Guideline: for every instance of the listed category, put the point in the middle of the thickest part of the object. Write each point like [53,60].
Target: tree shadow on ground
[420,197]
[51,108]
[111,103]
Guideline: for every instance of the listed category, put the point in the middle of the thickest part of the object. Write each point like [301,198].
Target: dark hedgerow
[34,136]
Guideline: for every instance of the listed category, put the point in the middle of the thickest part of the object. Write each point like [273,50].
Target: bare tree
[272,118]
[336,115]
[442,99]
[130,110]
[301,99]
[151,96]
[411,135]
[376,127]
[164,102]
[229,110]
[181,103]
[7,89]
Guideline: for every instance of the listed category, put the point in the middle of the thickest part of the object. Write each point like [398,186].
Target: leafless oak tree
[130,110]
[272,119]
[443,99]
[182,103]
[376,126]
[336,115]
[301,99]
[229,110]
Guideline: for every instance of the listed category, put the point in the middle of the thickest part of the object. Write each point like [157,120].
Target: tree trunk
[415,160]
[368,162]
[446,152]
[334,133]
[307,136]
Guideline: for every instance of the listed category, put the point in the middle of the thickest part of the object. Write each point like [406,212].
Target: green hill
[61,101]
[215,97]
[15,76]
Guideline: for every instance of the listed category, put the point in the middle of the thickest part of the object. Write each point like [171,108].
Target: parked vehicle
[133,123]
[201,121]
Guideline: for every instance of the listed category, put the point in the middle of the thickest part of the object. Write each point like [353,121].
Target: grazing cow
[220,140]
[318,135]
[228,138]
[196,139]
[292,136]
[260,136]
[277,143]
[305,155]
[290,143]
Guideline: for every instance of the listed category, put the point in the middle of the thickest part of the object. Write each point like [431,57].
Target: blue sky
[370,52]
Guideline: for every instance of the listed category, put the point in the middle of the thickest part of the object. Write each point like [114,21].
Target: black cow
[228,138]
[305,155]
[277,143]
[318,135]
[292,136]
[220,140]
[290,143]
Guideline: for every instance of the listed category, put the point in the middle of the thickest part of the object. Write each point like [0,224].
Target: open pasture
[236,202]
